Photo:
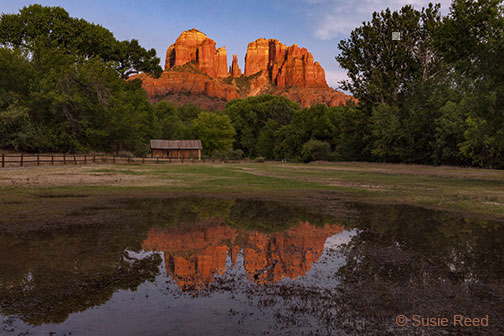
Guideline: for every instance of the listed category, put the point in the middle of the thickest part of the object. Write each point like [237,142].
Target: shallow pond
[201,266]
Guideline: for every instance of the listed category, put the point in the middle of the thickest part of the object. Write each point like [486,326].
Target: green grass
[118,171]
[470,191]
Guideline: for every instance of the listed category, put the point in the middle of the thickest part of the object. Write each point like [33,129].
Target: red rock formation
[221,59]
[193,258]
[311,96]
[285,66]
[194,46]
[257,57]
[193,66]
[186,82]
[235,69]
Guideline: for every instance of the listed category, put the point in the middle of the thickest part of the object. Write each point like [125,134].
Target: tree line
[436,96]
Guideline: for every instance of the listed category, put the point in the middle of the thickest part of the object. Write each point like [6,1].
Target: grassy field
[48,192]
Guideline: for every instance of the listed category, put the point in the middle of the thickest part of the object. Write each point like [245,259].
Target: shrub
[314,150]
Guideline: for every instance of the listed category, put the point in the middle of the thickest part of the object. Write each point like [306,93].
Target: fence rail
[23,160]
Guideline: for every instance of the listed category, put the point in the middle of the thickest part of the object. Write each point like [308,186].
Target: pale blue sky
[317,25]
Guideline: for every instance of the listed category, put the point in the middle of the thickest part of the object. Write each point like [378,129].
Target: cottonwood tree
[382,70]
[37,28]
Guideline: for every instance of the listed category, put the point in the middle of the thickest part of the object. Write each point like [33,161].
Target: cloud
[333,77]
[340,17]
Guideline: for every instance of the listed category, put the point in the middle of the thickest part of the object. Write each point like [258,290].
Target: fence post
[94,158]
[85,159]
[75,160]
[143,159]
[52,159]
[113,158]
[21,160]
[157,159]
[38,159]
[64,159]
[3,160]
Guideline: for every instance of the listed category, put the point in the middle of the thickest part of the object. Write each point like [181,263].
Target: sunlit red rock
[195,67]
[194,46]
[186,82]
[235,69]
[257,57]
[285,66]
[194,257]
[221,60]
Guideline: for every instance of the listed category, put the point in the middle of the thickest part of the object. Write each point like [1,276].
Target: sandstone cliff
[235,69]
[194,46]
[285,66]
[196,71]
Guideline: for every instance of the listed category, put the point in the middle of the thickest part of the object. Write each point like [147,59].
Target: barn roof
[176,144]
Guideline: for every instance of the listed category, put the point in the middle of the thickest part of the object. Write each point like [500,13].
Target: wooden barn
[176,149]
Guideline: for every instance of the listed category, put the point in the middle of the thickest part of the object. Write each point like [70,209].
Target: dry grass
[90,175]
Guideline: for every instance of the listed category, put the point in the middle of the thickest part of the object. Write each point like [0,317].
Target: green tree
[16,76]
[472,40]
[215,132]
[382,70]
[37,28]
[15,127]
[351,133]
[266,139]
[388,133]
[175,123]
[259,117]
[310,123]
[449,134]
[62,85]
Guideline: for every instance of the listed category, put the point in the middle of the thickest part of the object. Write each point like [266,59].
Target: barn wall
[177,153]
[158,153]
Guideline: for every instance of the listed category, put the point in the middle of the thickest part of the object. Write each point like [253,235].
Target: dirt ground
[89,175]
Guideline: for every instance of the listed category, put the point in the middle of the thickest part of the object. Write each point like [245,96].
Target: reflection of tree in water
[45,276]
[412,261]
[253,215]
[403,260]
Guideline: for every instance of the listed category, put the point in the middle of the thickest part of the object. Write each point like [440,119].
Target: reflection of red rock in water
[295,251]
[194,257]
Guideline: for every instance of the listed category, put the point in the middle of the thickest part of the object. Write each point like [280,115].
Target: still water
[201,266]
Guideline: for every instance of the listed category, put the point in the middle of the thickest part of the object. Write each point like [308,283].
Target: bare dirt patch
[62,176]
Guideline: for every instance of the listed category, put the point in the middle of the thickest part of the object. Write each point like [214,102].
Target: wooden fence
[24,160]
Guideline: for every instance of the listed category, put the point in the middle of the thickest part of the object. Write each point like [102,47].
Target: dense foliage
[436,96]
